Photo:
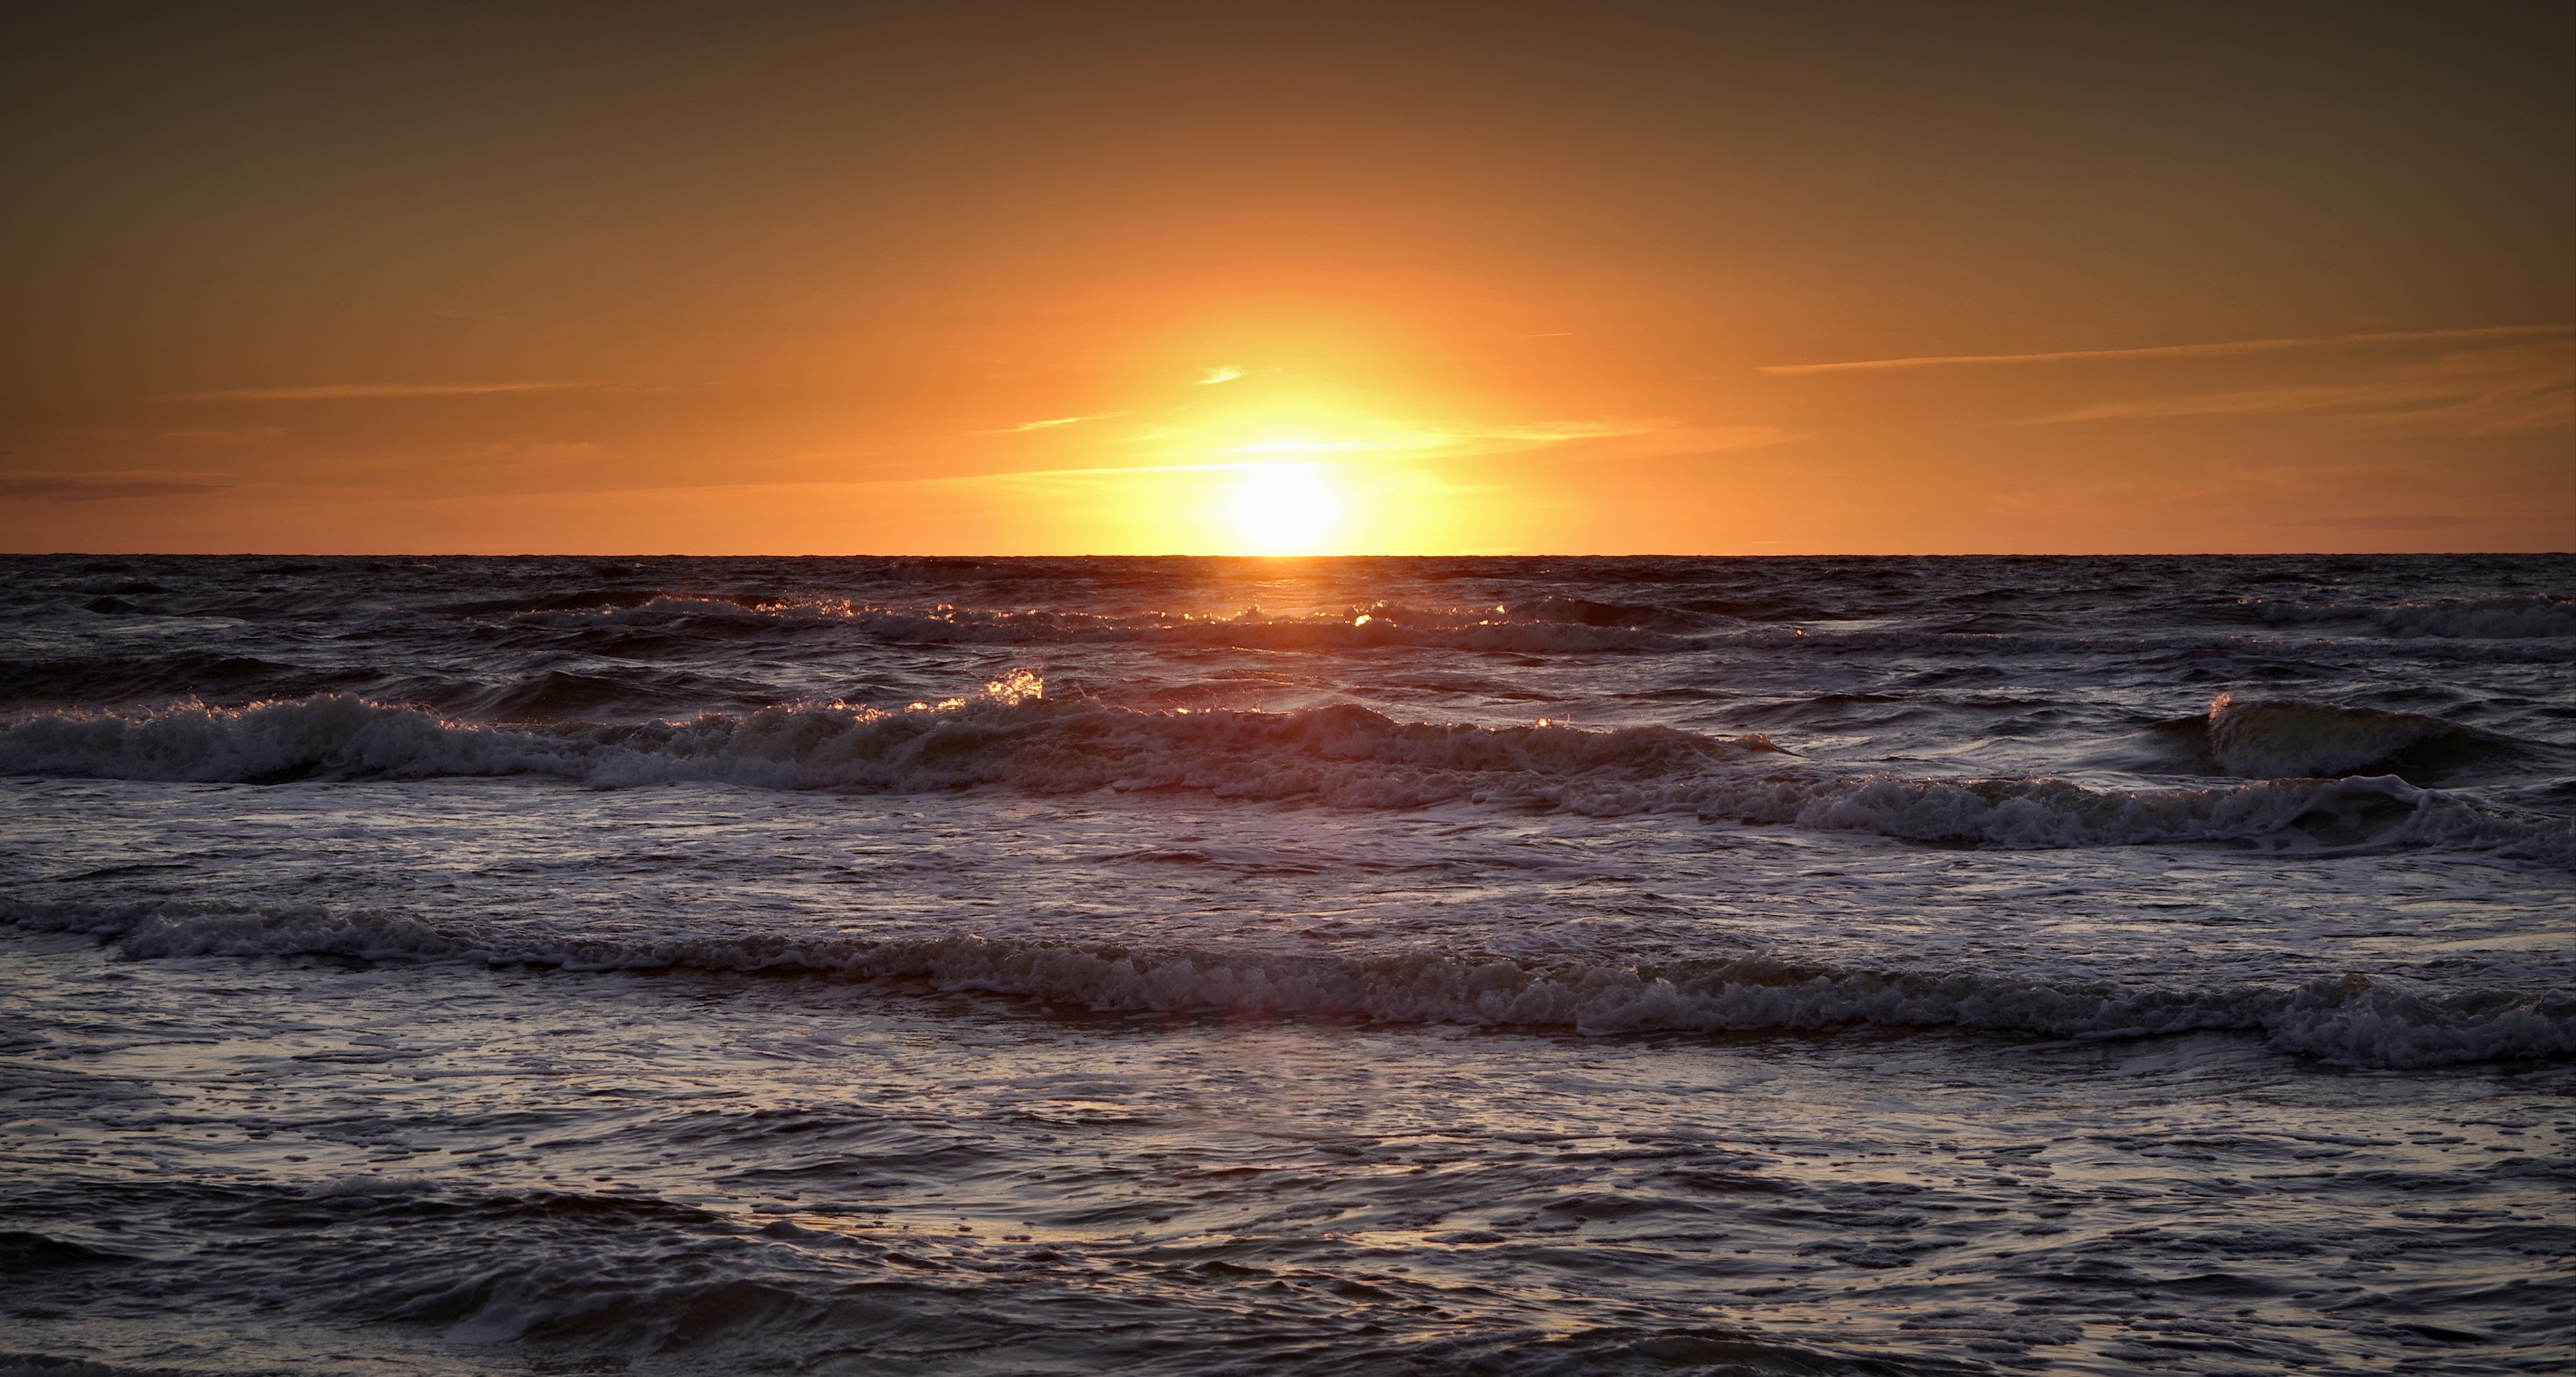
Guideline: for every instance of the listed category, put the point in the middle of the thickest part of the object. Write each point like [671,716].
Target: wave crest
[2349,1019]
[2299,738]
[2524,617]
[1341,756]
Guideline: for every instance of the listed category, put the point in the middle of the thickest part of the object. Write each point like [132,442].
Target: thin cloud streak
[1390,438]
[1051,424]
[333,392]
[2473,392]
[1133,468]
[1589,439]
[1227,373]
[56,488]
[2179,351]
[2403,523]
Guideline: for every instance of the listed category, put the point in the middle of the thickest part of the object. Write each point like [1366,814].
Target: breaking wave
[1341,756]
[2348,1019]
[2298,738]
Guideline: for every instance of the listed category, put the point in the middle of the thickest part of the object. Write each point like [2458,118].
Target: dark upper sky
[958,277]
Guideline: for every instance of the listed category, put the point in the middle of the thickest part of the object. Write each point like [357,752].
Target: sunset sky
[1405,278]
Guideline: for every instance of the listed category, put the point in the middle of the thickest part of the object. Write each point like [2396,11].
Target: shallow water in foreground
[704,1173]
[1867,966]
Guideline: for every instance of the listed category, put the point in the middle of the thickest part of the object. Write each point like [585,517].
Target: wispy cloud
[1226,373]
[1015,475]
[1427,441]
[1681,441]
[248,435]
[333,392]
[48,487]
[1378,446]
[1058,421]
[2406,523]
[2472,392]
[2184,351]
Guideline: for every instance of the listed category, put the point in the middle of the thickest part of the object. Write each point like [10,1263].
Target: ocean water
[1349,966]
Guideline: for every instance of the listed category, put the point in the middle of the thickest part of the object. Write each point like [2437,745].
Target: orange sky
[1039,278]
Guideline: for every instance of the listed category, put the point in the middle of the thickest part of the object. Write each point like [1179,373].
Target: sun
[1283,509]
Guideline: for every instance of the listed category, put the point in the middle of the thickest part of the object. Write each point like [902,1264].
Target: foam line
[2348,1019]
[1341,756]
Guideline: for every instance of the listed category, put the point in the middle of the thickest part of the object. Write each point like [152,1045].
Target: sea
[1001,967]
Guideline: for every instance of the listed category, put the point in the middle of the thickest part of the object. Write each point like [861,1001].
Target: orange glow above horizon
[1735,281]
[1264,464]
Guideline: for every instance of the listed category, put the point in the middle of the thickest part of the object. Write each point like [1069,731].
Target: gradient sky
[1413,278]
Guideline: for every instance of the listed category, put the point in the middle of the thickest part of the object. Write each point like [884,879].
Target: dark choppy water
[1337,966]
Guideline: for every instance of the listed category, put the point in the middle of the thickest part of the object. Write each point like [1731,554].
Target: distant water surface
[1178,966]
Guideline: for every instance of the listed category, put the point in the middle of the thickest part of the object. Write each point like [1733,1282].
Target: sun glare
[1284,509]
[1264,465]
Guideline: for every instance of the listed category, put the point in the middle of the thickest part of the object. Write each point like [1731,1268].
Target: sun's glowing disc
[1283,509]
